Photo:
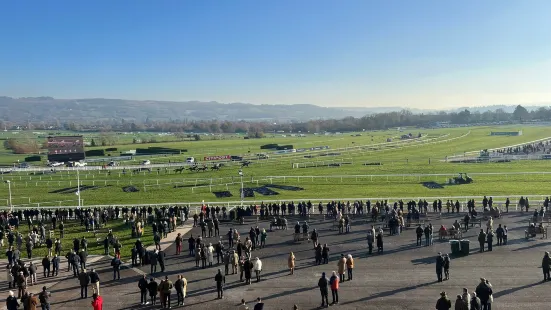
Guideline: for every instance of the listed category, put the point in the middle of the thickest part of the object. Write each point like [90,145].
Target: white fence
[535,201]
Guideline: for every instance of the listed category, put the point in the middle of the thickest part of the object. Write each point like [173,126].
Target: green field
[352,179]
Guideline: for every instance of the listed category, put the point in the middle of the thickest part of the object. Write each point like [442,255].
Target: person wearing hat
[545,266]
[443,302]
[322,284]
[439,266]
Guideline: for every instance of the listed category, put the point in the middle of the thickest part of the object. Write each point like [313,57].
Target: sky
[362,53]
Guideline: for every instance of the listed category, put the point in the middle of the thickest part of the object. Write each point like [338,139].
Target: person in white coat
[257,268]
[210,254]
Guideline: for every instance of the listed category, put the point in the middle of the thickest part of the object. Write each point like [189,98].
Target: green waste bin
[455,247]
[465,246]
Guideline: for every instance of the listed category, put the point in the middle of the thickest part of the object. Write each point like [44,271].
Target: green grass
[411,159]
[74,230]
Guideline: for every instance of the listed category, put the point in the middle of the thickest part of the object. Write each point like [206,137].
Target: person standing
[257,268]
[466,297]
[484,291]
[161,258]
[341,266]
[83,258]
[153,261]
[142,285]
[439,266]
[55,265]
[44,298]
[349,266]
[97,302]
[46,266]
[291,262]
[475,302]
[545,266]
[32,273]
[447,266]
[481,240]
[210,254]
[178,242]
[94,279]
[499,233]
[334,282]
[166,289]
[322,284]
[325,254]
[444,303]
[180,286]
[31,302]
[11,302]
[259,304]
[419,233]
[490,238]
[380,241]
[153,287]
[84,281]
[116,264]
[370,239]
[460,304]
[220,280]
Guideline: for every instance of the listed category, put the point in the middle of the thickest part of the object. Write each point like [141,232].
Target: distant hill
[49,109]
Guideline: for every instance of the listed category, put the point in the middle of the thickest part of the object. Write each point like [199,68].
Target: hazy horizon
[418,55]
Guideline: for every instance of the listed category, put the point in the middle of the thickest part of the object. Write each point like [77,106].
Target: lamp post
[78,187]
[242,189]
[9,197]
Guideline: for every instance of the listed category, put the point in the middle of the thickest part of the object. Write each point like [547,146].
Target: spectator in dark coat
[439,266]
[484,291]
[153,287]
[443,303]
[11,302]
[55,265]
[84,280]
[46,266]
[143,285]
[161,259]
[475,302]
[322,284]
[153,261]
[546,265]
[220,280]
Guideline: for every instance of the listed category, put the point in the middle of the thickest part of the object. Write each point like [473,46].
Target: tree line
[256,129]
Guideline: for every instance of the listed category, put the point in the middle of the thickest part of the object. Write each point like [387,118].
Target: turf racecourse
[351,151]
[401,278]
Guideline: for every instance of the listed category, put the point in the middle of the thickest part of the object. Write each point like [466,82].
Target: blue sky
[423,54]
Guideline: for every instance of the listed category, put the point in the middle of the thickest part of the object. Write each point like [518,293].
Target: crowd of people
[233,252]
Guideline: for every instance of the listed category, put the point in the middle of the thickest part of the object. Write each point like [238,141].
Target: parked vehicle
[55,164]
[76,164]
[24,165]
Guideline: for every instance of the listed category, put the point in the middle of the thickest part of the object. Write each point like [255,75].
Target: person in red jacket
[334,282]
[97,302]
